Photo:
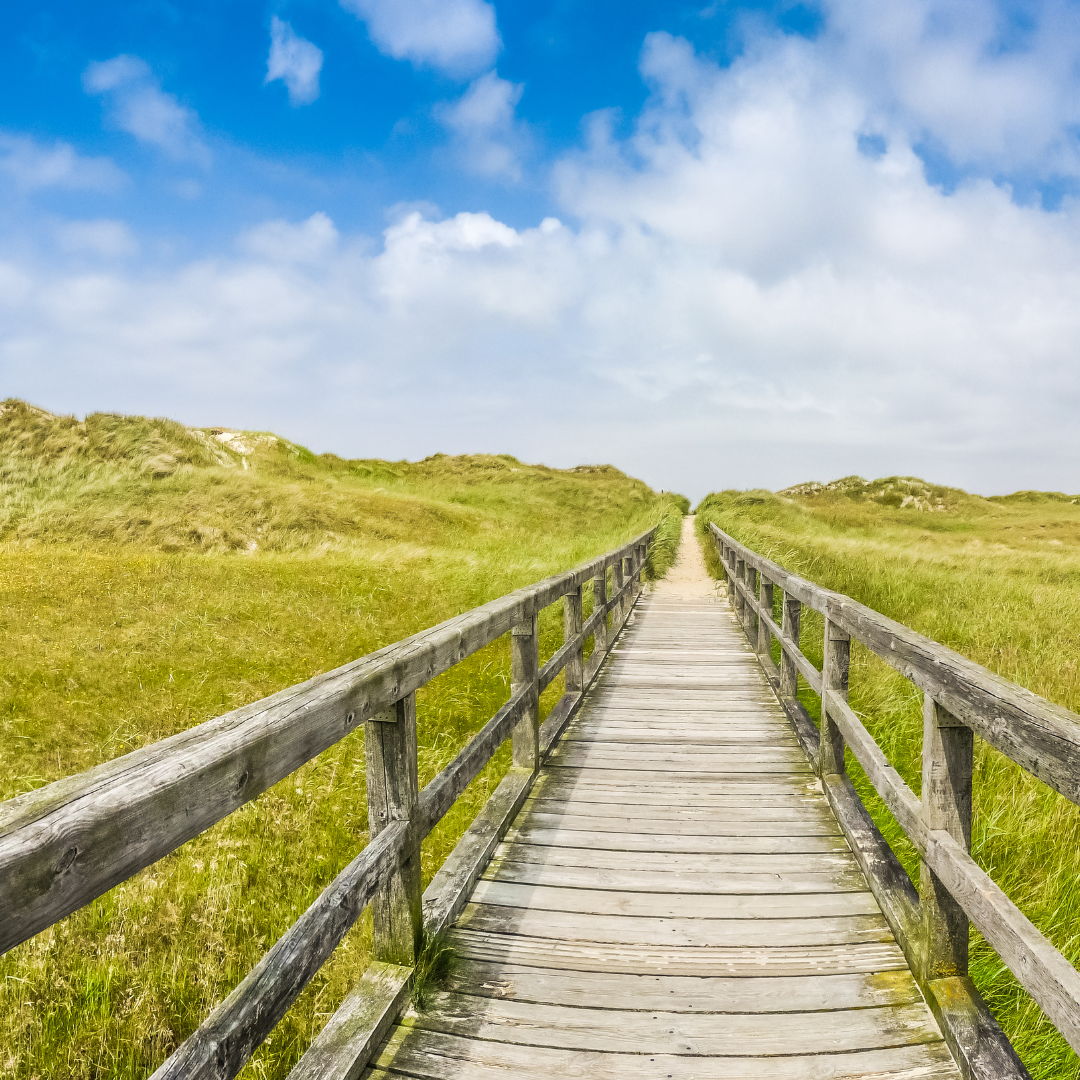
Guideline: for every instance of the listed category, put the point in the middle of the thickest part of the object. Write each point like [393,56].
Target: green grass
[995,579]
[152,577]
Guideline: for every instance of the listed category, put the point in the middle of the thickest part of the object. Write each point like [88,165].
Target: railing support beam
[834,676]
[392,792]
[525,671]
[947,766]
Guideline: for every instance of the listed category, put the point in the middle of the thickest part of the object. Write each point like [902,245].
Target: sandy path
[688,579]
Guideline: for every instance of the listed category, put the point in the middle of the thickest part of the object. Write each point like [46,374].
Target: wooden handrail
[65,844]
[961,698]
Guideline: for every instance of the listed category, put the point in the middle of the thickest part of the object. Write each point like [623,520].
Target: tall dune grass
[997,580]
[152,577]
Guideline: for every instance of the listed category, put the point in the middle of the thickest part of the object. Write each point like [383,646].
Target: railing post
[575,662]
[599,595]
[392,792]
[834,676]
[947,764]
[765,598]
[525,671]
[751,615]
[616,585]
[740,600]
[789,673]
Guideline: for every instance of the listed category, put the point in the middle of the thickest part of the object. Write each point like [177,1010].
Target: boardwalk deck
[675,899]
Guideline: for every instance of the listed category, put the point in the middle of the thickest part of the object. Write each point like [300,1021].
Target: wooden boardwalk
[675,899]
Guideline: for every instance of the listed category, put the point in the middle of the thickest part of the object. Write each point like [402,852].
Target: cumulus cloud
[294,60]
[744,297]
[988,88]
[138,105]
[456,36]
[30,165]
[489,138]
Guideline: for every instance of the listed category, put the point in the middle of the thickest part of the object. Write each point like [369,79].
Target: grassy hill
[153,576]
[997,579]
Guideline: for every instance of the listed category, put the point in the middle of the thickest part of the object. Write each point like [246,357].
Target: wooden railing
[65,844]
[961,700]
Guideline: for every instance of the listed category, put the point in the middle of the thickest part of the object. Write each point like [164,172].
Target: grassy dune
[152,577]
[998,580]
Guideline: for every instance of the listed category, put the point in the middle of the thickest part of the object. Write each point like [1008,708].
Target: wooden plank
[739,827]
[732,1034]
[654,930]
[838,862]
[430,1055]
[707,907]
[683,881]
[449,889]
[800,811]
[688,960]
[351,1036]
[682,993]
[689,845]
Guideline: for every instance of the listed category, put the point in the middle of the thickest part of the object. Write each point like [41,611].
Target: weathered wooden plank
[449,889]
[351,1036]
[687,844]
[734,1034]
[430,1055]
[838,863]
[653,930]
[745,827]
[737,961]
[767,907]
[685,881]
[799,811]
[682,993]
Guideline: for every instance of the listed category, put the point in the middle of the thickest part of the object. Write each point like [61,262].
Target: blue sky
[716,244]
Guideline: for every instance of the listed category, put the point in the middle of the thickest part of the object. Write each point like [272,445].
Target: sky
[715,244]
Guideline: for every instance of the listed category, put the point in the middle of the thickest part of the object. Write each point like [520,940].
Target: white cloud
[745,299]
[294,60]
[456,36]
[988,91]
[139,106]
[110,239]
[32,165]
[280,241]
[489,139]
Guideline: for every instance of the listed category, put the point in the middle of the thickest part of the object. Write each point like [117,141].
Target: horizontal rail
[1042,737]
[67,843]
[226,1038]
[550,671]
[1039,967]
